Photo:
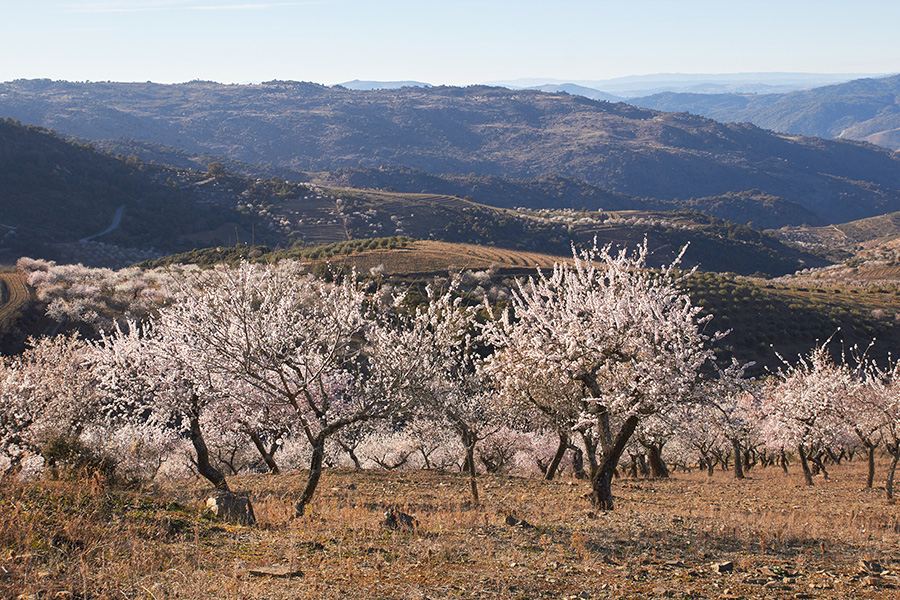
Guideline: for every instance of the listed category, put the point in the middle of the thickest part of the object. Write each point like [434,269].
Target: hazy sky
[441,42]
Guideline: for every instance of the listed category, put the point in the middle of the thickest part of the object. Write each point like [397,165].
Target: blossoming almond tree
[46,393]
[321,349]
[735,409]
[881,409]
[804,407]
[153,378]
[624,335]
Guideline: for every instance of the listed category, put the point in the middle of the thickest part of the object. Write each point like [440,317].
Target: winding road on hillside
[18,297]
[117,218]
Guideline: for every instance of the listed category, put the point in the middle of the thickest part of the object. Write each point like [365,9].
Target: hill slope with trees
[480,130]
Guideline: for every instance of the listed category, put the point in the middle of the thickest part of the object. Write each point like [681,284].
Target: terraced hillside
[431,257]
[14,295]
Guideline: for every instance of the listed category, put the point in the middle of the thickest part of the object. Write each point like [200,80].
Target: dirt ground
[690,536]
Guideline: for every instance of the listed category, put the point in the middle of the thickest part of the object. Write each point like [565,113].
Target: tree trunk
[602,480]
[870,460]
[578,463]
[707,463]
[315,473]
[204,467]
[658,468]
[738,463]
[889,484]
[820,464]
[590,446]
[557,458]
[633,468]
[749,459]
[784,461]
[804,463]
[470,467]
[642,465]
[870,457]
[267,455]
[356,464]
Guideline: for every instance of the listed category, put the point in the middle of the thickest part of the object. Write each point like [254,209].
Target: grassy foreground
[84,540]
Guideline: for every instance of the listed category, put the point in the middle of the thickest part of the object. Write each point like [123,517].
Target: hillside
[479,130]
[863,109]
[56,193]
[556,192]
[59,193]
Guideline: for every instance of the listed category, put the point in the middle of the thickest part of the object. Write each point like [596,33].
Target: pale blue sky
[440,42]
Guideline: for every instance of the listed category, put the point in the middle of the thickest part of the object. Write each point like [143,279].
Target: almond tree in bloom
[458,394]
[152,377]
[541,403]
[700,436]
[319,349]
[46,394]
[803,407]
[625,337]
[734,409]
[882,409]
[866,410]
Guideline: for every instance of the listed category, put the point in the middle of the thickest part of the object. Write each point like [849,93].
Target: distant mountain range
[357,84]
[482,131]
[634,86]
[864,109]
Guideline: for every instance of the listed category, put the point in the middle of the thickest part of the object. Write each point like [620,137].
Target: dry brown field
[782,539]
[437,257]
[14,298]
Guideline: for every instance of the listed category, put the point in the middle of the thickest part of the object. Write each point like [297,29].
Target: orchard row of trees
[599,359]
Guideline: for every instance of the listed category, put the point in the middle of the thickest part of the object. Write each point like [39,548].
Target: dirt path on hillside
[18,297]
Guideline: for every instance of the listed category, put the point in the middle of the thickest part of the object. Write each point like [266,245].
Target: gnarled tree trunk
[550,473]
[601,482]
[658,468]
[204,467]
[268,455]
[892,469]
[738,463]
[315,473]
[804,463]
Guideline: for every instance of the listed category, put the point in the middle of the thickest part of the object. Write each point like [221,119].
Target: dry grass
[785,540]
[437,257]
[15,295]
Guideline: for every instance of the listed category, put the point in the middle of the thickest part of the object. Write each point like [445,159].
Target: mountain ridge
[478,129]
[863,109]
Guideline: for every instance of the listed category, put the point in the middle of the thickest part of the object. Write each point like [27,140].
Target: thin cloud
[121,7]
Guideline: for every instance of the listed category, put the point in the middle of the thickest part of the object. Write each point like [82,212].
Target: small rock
[396,520]
[280,571]
[515,522]
[231,507]
[723,567]
[871,581]
[870,567]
